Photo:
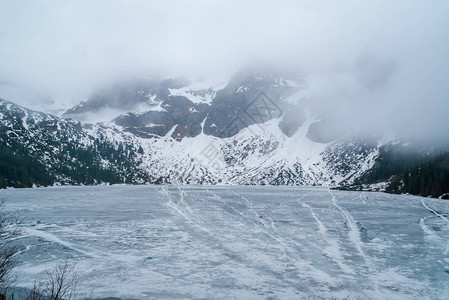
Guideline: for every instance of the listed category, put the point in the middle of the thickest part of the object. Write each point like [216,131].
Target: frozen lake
[246,242]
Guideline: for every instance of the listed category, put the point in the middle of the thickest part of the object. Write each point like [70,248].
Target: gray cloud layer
[378,63]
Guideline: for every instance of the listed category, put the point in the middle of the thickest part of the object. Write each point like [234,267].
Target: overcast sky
[361,55]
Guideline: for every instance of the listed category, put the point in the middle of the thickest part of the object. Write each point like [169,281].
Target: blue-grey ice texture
[236,242]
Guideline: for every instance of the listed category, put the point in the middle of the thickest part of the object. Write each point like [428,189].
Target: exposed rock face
[294,117]
[176,111]
[249,98]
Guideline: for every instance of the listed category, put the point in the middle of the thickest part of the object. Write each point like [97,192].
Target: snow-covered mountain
[38,148]
[253,130]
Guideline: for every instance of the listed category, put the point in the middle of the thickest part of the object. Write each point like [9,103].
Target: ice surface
[236,242]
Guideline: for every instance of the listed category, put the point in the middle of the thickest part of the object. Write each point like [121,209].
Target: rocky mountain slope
[253,130]
[41,149]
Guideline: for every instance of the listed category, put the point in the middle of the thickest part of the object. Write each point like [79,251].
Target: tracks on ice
[54,239]
[354,232]
[183,209]
[432,235]
[434,212]
[250,206]
[288,254]
[332,250]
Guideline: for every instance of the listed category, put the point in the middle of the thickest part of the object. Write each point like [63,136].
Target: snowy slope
[260,154]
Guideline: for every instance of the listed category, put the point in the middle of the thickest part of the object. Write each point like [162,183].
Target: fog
[382,65]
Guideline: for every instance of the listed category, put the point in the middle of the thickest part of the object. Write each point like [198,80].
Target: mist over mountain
[297,92]
[370,67]
[258,128]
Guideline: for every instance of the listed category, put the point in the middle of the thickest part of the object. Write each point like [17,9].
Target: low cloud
[382,65]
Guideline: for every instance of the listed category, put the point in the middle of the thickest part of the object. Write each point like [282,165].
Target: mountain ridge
[256,155]
[254,130]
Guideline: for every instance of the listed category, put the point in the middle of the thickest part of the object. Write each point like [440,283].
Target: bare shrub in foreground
[9,228]
[62,284]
